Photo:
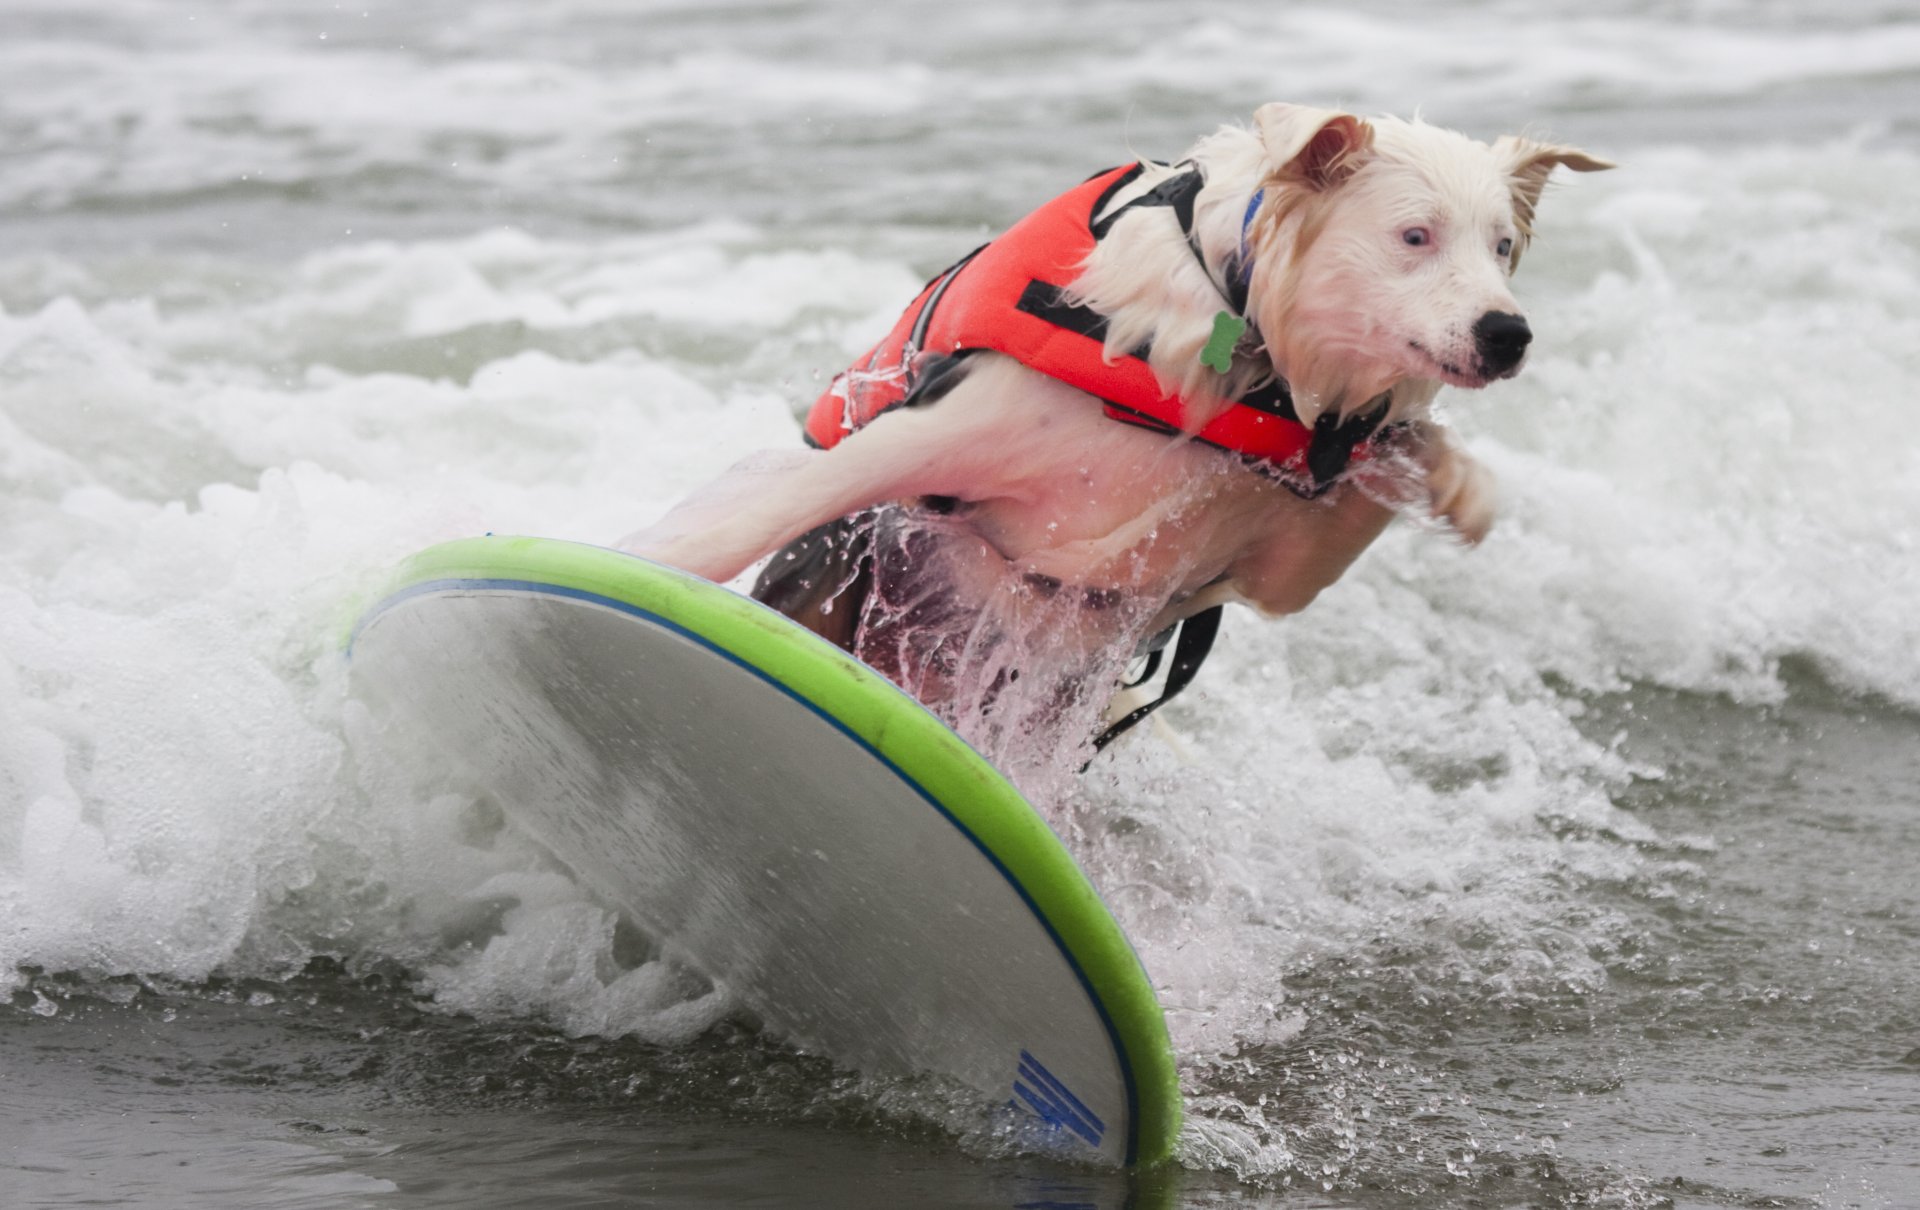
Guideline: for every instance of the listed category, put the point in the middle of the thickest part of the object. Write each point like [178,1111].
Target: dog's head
[1382,251]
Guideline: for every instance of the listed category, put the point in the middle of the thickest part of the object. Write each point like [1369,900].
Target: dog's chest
[1129,509]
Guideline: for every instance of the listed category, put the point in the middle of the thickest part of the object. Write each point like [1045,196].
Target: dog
[1179,386]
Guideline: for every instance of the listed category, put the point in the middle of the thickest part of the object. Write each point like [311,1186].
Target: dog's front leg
[1289,567]
[1460,491]
[1309,549]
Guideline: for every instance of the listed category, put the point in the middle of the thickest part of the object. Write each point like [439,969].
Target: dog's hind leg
[764,502]
[709,506]
[821,579]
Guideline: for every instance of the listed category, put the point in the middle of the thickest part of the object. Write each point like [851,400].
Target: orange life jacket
[1008,296]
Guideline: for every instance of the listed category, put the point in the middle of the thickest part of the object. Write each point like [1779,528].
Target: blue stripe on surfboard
[1035,1070]
[431,587]
[1054,1101]
[1055,1114]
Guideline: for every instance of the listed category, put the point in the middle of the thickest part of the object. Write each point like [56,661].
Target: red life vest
[1008,297]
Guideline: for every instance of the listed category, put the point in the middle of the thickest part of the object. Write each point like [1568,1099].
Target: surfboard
[781,818]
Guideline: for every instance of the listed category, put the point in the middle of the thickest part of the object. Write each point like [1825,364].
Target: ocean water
[1574,870]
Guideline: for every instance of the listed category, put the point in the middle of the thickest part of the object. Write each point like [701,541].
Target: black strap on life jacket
[1190,649]
[1179,192]
[1335,439]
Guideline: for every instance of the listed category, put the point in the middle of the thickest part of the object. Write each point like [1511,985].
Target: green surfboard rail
[968,789]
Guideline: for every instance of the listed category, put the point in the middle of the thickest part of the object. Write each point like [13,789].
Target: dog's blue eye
[1417,237]
[1504,247]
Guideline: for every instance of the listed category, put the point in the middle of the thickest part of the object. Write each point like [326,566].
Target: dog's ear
[1528,165]
[1317,148]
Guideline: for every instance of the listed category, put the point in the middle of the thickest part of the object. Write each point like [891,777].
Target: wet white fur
[1349,311]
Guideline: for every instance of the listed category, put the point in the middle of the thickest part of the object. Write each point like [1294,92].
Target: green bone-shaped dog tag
[1228,328]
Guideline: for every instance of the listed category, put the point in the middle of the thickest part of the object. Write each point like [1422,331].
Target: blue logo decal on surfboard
[1054,1102]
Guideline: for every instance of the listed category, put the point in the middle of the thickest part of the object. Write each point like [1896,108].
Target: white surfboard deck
[781,818]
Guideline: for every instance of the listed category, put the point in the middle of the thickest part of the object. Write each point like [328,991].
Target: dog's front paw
[1460,491]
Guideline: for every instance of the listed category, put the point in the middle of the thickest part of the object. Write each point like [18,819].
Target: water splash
[1022,666]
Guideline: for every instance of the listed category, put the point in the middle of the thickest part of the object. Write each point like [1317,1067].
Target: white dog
[1270,317]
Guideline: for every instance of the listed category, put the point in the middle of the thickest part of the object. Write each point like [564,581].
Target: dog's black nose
[1501,341]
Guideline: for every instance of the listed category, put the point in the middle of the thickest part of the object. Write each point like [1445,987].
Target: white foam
[237,105]
[187,532]
[554,958]
[1480,57]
